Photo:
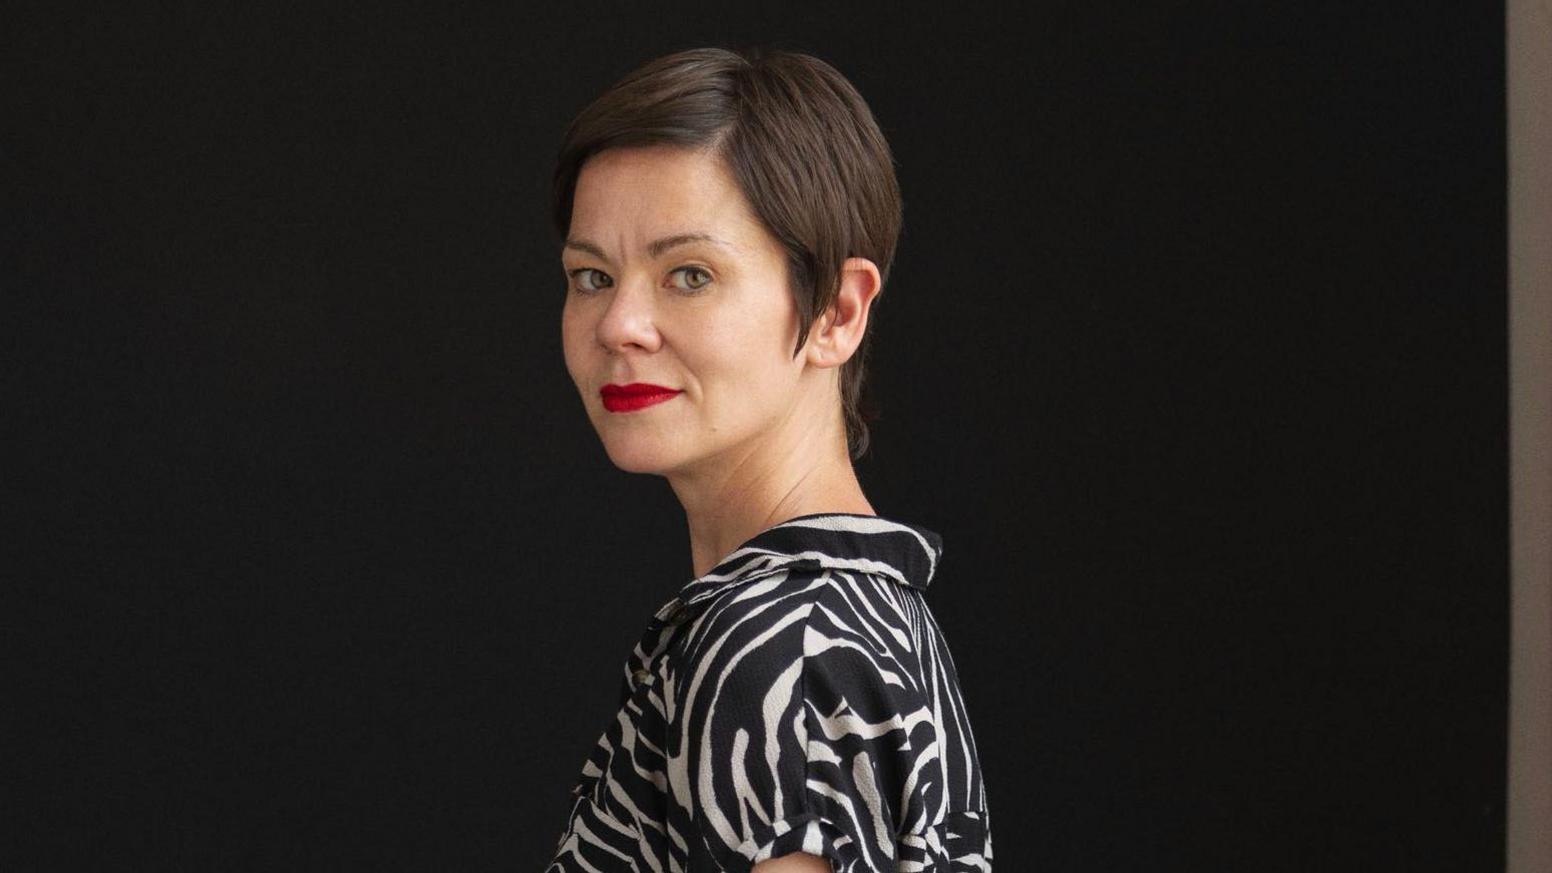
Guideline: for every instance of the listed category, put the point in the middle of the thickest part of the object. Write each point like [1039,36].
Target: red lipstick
[636,395]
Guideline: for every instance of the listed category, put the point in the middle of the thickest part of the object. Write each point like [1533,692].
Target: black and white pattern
[798,697]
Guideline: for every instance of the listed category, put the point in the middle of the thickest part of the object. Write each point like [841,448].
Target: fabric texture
[799,697]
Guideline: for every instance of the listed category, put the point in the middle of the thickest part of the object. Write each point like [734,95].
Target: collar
[907,554]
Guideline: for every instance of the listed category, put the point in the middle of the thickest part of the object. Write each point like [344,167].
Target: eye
[705,278]
[582,286]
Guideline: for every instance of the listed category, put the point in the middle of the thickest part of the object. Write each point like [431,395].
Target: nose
[629,319]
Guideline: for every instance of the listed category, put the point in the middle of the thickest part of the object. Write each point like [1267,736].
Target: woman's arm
[797,862]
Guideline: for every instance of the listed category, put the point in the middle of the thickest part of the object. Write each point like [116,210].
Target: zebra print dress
[799,697]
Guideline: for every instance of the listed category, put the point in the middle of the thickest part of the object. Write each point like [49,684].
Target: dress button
[679,614]
[642,676]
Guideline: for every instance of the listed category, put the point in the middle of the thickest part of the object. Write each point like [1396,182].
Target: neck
[757,493]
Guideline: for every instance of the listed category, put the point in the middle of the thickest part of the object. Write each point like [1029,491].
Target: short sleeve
[812,730]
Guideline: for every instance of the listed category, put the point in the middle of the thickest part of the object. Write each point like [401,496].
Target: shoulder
[808,612]
[802,721]
[827,644]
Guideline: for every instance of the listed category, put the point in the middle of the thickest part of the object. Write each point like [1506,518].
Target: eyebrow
[656,248]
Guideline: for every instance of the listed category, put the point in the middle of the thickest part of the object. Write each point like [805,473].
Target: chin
[641,456]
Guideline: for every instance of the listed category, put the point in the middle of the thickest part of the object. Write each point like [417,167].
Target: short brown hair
[804,149]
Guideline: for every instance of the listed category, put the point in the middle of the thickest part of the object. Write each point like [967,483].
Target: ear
[840,329]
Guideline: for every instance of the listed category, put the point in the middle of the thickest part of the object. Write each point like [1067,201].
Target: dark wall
[1194,352]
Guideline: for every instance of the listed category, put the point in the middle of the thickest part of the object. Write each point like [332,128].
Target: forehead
[629,195]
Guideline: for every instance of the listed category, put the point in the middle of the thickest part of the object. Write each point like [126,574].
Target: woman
[729,219]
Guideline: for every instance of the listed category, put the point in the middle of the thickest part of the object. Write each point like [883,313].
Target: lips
[637,395]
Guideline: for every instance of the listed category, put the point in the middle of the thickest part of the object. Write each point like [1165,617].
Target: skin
[758,436]
[797,862]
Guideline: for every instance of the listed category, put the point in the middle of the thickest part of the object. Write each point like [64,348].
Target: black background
[1194,353]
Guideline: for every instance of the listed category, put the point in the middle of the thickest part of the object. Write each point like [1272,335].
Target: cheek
[573,340]
[742,363]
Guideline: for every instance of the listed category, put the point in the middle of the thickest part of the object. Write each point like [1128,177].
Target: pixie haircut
[803,148]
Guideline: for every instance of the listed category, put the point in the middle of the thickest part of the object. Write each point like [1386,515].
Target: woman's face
[645,303]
